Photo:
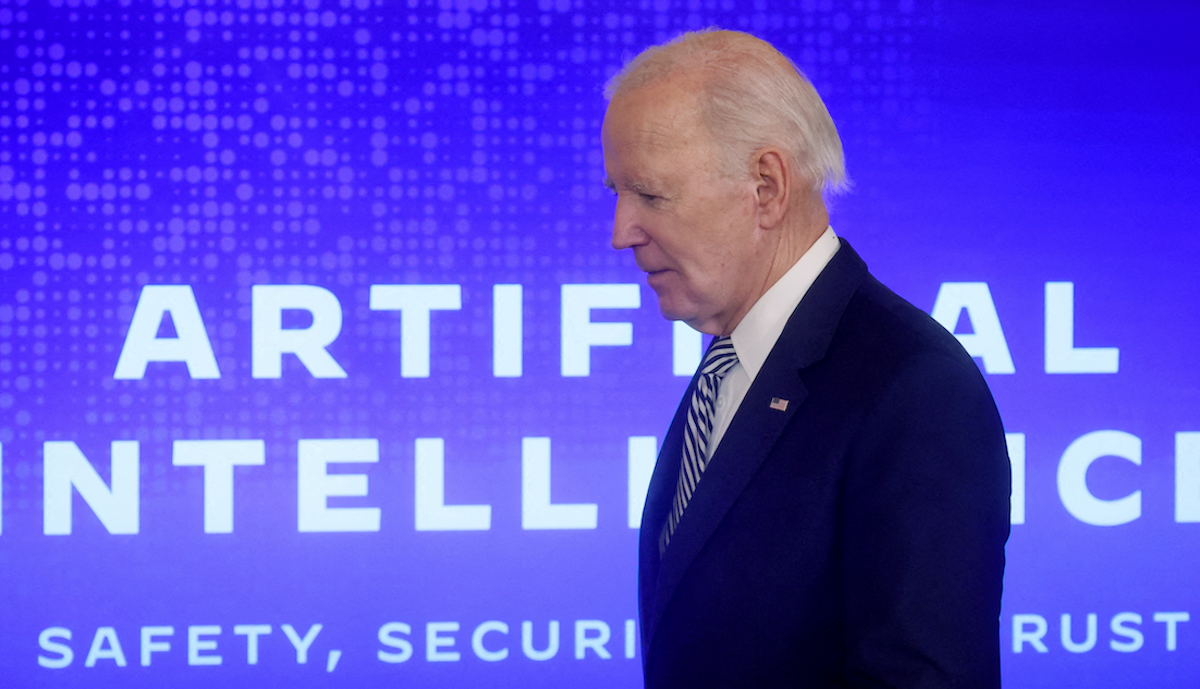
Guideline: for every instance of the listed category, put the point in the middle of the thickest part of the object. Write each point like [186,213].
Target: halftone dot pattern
[340,144]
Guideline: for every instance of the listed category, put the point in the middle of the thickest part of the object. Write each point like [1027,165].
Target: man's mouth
[656,278]
[651,270]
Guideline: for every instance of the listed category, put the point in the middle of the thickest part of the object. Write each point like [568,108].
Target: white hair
[752,96]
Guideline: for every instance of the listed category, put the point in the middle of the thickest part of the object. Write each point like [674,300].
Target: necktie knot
[720,358]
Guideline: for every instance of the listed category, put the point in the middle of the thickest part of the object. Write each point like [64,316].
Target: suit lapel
[751,435]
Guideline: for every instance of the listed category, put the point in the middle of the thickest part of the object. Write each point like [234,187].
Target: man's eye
[649,197]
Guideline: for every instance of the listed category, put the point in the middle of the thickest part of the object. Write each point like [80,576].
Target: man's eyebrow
[649,189]
[609,184]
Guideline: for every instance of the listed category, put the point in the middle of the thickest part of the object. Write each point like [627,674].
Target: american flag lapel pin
[779,404]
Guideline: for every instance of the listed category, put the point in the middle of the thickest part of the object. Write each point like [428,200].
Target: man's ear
[773,190]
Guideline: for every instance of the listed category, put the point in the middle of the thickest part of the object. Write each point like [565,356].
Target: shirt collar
[755,336]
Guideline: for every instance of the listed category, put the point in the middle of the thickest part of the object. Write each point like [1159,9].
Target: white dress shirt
[755,336]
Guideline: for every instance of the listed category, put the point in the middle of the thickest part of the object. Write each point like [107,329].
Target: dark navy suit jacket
[854,539]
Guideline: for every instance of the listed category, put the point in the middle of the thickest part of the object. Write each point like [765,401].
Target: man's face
[692,230]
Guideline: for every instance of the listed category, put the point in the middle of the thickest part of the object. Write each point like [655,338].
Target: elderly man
[830,505]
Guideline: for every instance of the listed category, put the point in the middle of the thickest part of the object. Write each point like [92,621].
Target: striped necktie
[717,362]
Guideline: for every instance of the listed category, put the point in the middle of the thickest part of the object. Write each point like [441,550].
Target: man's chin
[674,312]
[671,310]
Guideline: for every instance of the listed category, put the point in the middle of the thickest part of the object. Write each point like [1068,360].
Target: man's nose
[627,232]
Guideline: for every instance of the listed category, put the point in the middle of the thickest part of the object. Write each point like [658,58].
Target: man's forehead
[660,115]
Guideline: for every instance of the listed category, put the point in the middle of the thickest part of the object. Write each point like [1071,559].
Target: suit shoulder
[888,334]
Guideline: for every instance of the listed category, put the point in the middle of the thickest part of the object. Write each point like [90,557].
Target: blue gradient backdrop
[224,145]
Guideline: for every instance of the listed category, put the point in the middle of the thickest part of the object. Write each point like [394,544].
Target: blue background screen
[316,364]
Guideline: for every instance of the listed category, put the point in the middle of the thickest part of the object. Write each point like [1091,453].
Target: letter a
[987,341]
[142,344]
